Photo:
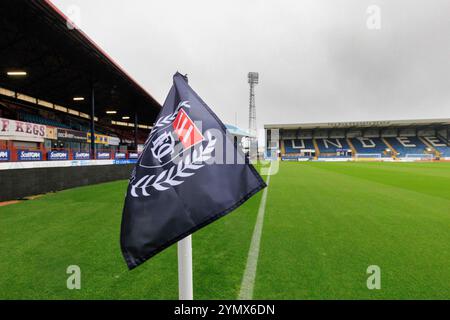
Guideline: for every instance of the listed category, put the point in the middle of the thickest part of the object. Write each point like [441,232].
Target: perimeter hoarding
[27,155]
[57,155]
[5,155]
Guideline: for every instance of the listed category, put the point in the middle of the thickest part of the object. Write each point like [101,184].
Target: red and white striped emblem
[186,130]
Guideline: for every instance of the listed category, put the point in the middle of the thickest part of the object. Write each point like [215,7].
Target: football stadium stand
[50,100]
[398,140]
[69,114]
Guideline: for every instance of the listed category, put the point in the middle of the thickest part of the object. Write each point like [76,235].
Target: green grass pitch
[325,223]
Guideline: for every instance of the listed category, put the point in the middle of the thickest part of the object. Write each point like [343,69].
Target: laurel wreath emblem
[169,118]
[161,122]
[174,176]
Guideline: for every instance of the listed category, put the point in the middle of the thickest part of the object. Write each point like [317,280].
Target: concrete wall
[19,183]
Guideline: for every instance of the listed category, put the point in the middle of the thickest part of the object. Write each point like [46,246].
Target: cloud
[317,60]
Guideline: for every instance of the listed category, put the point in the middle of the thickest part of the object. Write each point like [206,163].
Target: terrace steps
[352,147]
[394,152]
[425,142]
[316,147]
[283,150]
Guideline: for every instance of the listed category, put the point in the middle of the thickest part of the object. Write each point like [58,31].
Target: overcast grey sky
[318,61]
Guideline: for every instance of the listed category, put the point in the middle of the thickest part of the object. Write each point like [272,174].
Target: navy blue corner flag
[189,174]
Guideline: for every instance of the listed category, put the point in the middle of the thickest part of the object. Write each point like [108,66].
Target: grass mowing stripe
[41,238]
[414,180]
[323,229]
[248,280]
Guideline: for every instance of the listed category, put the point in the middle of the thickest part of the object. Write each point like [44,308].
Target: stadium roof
[236,131]
[362,124]
[61,63]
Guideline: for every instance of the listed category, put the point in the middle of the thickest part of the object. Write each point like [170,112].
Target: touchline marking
[248,280]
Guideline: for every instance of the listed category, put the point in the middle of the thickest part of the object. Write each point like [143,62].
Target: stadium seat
[28,117]
[407,145]
[439,144]
[329,147]
[296,145]
[369,146]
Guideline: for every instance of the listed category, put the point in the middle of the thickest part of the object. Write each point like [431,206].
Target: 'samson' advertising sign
[133,155]
[4,155]
[120,155]
[26,155]
[81,156]
[57,155]
[103,155]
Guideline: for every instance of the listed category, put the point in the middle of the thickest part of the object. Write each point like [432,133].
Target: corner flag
[189,175]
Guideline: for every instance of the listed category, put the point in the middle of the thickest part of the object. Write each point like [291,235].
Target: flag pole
[185,288]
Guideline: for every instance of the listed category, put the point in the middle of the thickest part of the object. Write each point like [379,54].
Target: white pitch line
[248,280]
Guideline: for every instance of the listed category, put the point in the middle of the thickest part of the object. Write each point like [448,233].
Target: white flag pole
[185,288]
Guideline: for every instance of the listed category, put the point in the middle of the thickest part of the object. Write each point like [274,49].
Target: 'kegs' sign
[4,155]
[81,156]
[26,155]
[103,155]
[57,155]
[26,131]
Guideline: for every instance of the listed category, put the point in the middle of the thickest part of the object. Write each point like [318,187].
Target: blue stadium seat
[369,146]
[28,117]
[329,147]
[407,145]
[296,145]
[439,144]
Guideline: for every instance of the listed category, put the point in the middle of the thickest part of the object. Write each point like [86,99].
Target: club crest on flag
[163,145]
[175,144]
